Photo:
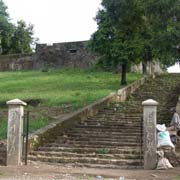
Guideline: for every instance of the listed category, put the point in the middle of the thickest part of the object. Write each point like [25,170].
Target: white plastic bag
[164,139]
[163,162]
[161,127]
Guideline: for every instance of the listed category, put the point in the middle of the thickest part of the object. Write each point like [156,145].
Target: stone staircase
[112,138]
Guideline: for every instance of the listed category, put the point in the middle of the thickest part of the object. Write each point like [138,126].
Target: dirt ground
[41,171]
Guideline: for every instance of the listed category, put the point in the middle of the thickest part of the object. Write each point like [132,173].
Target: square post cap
[150,102]
[16,102]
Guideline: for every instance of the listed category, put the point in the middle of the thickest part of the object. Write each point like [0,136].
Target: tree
[137,30]
[22,38]
[6,29]
[116,39]
[160,32]
[14,38]
[3,10]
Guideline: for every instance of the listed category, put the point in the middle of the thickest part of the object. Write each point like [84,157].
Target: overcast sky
[174,69]
[56,20]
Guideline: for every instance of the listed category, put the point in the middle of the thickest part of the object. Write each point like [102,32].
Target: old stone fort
[57,55]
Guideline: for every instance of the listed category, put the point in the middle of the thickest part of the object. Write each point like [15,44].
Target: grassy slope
[57,88]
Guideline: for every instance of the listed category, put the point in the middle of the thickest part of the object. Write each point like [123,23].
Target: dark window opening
[73,50]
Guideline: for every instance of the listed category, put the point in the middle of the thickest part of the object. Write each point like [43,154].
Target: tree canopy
[130,31]
[116,39]
[14,38]
[161,21]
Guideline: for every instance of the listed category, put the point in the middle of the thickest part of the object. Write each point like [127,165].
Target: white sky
[56,20]
[174,69]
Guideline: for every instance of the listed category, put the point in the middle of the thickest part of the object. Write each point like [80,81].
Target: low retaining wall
[43,135]
[123,93]
[16,62]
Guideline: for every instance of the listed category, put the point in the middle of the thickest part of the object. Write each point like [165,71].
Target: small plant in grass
[102,151]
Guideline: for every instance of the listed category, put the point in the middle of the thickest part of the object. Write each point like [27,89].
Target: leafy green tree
[14,38]
[6,36]
[116,39]
[140,30]
[6,29]
[160,32]
[22,38]
[3,9]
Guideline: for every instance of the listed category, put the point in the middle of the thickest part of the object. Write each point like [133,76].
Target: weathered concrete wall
[70,54]
[16,62]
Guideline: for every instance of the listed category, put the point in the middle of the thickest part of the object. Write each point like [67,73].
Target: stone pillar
[150,135]
[178,106]
[15,131]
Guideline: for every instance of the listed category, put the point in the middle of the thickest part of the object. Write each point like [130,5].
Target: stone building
[69,54]
[58,55]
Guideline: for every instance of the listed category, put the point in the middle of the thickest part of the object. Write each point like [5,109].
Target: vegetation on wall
[14,38]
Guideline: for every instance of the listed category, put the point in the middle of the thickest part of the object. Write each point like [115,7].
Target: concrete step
[94,145]
[110,132]
[109,166]
[121,150]
[92,155]
[89,160]
[91,137]
[119,128]
[92,142]
[116,122]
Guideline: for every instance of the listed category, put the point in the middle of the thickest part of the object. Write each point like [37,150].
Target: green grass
[3,128]
[59,88]
[34,125]
[62,88]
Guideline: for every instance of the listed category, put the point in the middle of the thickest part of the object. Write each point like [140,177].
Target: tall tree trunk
[144,66]
[123,74]
[116,68]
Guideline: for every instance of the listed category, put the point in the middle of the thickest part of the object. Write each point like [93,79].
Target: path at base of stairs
[43,171]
